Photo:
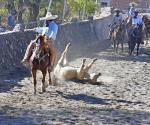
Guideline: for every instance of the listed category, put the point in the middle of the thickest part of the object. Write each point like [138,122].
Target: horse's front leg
[49,73]
[138,45]
[114,44]
[129,45]
[117,46]
[34,79]
[146,36]
[122,46]
[43,80]
[133,44]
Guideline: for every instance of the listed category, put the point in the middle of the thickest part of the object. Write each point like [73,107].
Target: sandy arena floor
[123,98]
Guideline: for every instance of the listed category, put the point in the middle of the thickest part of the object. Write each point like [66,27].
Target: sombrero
[116,10]
[49,16]
[133,3]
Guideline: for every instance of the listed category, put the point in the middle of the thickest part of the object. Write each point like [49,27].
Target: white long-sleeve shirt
[50,31]
[137,20]
[131,12]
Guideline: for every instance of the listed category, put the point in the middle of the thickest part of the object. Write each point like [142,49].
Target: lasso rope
[48,8]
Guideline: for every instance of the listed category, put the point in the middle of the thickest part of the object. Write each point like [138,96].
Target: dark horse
[118,36]
[134,37]
[146,21]
[40,61]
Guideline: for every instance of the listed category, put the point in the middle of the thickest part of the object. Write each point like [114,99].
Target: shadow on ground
[10,79]
[94,100]
[15,116]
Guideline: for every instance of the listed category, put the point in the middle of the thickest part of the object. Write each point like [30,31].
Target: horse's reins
[42,58]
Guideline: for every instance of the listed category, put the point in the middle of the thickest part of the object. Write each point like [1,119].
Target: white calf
[63,71]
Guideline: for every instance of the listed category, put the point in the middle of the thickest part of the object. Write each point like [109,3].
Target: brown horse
[40,61]
[146,21]
[118,36]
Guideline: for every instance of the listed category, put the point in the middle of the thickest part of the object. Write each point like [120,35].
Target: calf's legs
[63,60]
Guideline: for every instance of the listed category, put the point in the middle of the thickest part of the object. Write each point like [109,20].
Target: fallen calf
[63,71]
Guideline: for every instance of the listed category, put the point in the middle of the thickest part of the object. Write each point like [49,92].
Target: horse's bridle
[38,50]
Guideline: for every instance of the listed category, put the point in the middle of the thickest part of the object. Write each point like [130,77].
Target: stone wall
[13,45]
[81,35]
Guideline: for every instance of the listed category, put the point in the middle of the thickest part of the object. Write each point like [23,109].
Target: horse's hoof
[54,84]
[84,60]
[41,92]
[99,74]
[50,82]
[95,59]
[43,89]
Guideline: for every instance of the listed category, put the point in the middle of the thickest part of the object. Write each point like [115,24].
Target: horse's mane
[42,39]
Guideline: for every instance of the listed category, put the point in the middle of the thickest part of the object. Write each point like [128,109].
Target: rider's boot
[142,42]
[52,55]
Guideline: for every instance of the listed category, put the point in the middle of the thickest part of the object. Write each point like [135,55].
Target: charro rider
[50,32]
[117,19]
[131,10]
[136,21]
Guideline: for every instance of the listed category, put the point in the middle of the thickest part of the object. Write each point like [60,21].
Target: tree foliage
[82,7]
[30,10]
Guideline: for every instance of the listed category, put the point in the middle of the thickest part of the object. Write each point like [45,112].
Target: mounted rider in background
[116,21]
[136,22]
[131,10]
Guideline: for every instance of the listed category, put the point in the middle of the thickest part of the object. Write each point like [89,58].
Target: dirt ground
[123,97]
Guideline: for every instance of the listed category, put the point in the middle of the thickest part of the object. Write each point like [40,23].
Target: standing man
[10,21]
[50,32]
